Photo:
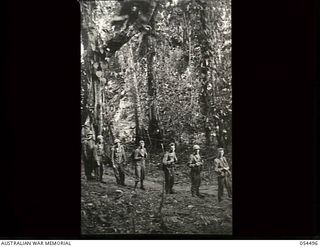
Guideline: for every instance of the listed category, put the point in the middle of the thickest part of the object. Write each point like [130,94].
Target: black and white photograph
[156,117]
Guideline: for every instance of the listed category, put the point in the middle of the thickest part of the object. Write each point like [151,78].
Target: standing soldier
[89,155]
[169,160]
[101,157]
[140,155]
[222,169]
[195,163]
[118,158]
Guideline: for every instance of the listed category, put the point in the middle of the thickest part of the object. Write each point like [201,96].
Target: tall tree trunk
[152,90]
[154,130]
[204,70]
[99,108]
[86,9]
[136,98]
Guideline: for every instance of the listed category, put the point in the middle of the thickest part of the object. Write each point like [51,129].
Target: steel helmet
[196,147]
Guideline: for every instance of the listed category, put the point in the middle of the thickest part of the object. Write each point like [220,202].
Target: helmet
[90,133]
[99,137]
[116,141]
[196,147]
[220,149]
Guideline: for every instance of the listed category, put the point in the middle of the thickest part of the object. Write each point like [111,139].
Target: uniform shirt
[118,154]
[169,158]
[101,151]
[220,164]
[195,160]
[89,149]
[140,155]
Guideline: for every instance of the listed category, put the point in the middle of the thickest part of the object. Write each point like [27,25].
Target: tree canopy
[158,70]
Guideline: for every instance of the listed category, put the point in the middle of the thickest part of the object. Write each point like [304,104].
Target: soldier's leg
[228,186]
[137,175]
[96,170]
[116,173]
[122,175]
[142,177]
[90,168]
[198,182]
[220,187]
[101,172]
[166,179]
[192,183]
[86,168]
[171,183]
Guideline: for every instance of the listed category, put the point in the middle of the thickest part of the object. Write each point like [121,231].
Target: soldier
[119,160]
[222,169]
[169,161]
[101,157]
[195,163]
[140,155]
[89,155]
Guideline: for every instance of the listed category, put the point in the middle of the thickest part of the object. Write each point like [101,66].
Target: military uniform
[222,169]
[89,157]
[101,159]
[195,163]
[169,161]
[140,155]
[119,160]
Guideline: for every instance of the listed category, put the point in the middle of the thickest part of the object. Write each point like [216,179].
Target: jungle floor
[107,208]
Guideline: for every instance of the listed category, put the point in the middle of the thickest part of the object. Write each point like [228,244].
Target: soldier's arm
[137,155]
[165,158]
[200,163]
[227,167]
[217,168]
[190,163]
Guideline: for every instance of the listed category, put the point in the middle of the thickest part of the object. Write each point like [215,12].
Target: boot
[166,189]
[135,185]
[192,193]
[172,191]
[199,195]
[122,182]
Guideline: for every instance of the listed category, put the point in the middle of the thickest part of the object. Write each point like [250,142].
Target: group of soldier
[95,157]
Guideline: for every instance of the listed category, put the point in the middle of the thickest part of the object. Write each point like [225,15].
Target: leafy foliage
[191,67]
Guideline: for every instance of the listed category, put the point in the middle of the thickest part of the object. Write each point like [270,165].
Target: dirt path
[109,209]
